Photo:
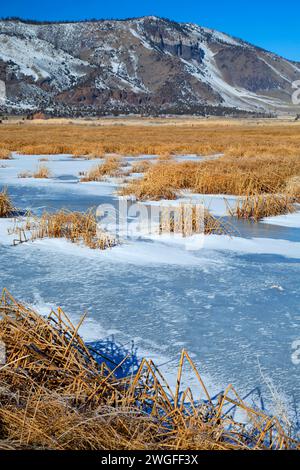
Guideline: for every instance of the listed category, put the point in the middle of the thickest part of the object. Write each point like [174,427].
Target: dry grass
[246,175]
[162,180]
[42,172]
[7,208]
[110,167]
[293,188]
[234,138]
[141,166]
[188,219]
[226,175]
[5,154]
[54,395]
[76,227]
[262,205]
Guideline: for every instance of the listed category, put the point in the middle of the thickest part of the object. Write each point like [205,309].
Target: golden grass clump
[5,154]
[54,395]
[74,226]
[189,219]
[226,175]
[42,172]
[7,208]
[293,188]
[141,166]
[110,167]
[262,205]
[245,175]
[162,181]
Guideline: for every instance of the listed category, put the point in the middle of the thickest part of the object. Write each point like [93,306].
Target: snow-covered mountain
[146,64]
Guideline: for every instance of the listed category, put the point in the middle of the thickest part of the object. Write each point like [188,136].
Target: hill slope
[138,65]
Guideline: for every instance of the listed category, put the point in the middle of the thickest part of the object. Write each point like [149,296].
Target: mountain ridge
[140,65]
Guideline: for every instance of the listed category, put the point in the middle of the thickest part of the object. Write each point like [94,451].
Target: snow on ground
[288,220]
[232,302]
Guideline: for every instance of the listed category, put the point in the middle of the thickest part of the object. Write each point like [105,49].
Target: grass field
[204,137]
[255,156]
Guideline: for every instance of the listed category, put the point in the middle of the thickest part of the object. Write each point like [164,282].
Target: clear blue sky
[274,25]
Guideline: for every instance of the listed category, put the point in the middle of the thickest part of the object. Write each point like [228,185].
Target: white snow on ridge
[40,59]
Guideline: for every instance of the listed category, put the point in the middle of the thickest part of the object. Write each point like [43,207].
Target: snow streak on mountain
[139,65]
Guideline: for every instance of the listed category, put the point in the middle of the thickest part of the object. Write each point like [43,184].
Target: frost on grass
[41,172]
[77,227]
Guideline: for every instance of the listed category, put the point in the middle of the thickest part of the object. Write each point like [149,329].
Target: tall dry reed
[55,395]
[7,208]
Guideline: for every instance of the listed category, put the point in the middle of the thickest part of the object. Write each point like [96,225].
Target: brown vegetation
[188,219]
[293,188]
[140,166]
[5,154]
[234,138]
[110,167]
[162,180]
[54,395]
[262,205]
[42,172]
[7,208]
[226,175]
[74,226]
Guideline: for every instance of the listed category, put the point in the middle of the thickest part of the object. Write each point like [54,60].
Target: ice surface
[234,304]
[288,220]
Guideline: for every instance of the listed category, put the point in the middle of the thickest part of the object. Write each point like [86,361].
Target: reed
[201,137]
[262,205]
[76,227]
[42,172]
[140,166]
[5,154]
[7,208]
[55,395]
[110,167]
[188,219]
[293,188]
[226,175]
[162,181]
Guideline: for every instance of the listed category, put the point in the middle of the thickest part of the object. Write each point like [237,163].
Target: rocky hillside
[137,66]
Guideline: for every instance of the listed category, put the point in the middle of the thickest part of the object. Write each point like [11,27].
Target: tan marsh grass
[188,219]
[226,175]
[262,205]
[110,167]
[140,166]
[7,208]
[199,137]
[5,154]
[54,395]
[42,172]
[76,227]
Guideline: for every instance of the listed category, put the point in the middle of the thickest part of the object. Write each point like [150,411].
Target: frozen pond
[234,304]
